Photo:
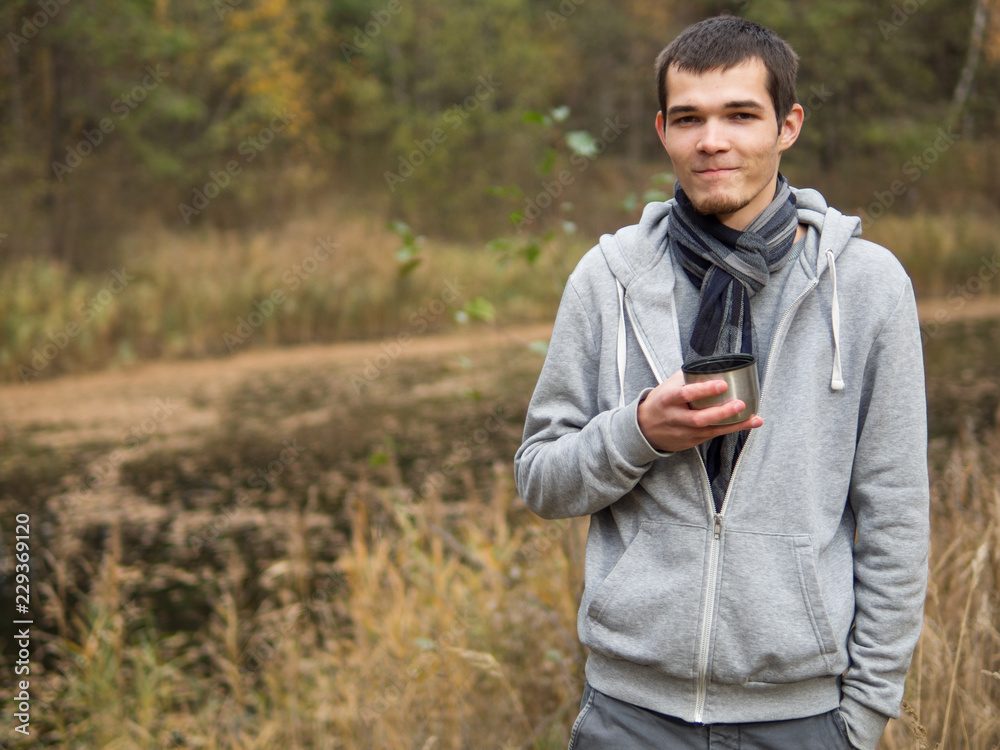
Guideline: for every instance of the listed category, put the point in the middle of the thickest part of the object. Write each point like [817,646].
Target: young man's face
[722,136]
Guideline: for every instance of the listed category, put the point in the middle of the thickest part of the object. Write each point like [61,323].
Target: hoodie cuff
[864,725]
[629,438]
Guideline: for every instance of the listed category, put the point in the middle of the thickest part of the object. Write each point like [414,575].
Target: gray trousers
[606,723]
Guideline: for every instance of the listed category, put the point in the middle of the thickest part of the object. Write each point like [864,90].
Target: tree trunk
[14,68]
[58,197]
[964,87]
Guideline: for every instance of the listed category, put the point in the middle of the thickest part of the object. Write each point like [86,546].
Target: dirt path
[958,308]
[99,406]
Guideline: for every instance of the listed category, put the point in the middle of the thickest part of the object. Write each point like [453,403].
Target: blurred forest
[196,178]
[120,116]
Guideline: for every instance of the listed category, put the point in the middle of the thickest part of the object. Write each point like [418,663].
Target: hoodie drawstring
[621,344]
[837,377]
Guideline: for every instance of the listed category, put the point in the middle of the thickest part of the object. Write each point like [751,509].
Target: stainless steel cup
[740,373]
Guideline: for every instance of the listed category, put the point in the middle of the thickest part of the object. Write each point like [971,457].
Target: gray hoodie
[745,615]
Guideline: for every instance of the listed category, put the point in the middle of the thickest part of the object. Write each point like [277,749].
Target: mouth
[714,171]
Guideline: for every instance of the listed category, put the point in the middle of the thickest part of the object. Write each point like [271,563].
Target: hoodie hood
[634,249]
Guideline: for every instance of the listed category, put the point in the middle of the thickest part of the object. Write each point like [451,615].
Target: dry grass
[418,637]
[179,295]
[945,254]
[953,691]
[452,625]
[352,603]
[188,293]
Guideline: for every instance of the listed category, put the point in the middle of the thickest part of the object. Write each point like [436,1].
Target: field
[322,547]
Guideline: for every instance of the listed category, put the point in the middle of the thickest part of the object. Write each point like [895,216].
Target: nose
[712,138]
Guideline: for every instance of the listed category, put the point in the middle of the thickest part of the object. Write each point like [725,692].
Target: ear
[791,126]
[661,128]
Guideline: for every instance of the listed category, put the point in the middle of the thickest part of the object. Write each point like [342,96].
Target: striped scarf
[729,267]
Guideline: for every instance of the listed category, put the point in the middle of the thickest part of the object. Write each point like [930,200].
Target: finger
[747,424]
[711,416]
[704,389]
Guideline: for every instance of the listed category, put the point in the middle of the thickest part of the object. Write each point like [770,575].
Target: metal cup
[740,373]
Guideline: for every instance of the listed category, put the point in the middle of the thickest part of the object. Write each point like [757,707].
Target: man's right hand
[670,425]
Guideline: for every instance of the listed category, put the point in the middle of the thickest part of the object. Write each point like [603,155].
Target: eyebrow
[741,104]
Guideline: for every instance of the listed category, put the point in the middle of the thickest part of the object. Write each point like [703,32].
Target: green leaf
[581,142]
[662,178]
[402,229]
[511,191]
[407,268]
[480,308]
[498,245]
[516,217]
[531,252]
[630,202]
[537,118]
[539,347]
[548,161]
[378,458]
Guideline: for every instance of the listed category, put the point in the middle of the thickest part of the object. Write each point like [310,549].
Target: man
[760,584]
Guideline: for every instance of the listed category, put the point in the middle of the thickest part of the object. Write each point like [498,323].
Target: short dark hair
[723,42]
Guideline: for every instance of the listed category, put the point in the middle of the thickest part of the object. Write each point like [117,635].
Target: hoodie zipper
[715,547]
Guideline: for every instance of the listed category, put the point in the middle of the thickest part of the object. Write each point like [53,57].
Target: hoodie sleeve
[890,498]
[576,460]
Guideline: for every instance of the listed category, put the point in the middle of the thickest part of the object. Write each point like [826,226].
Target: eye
[744,116]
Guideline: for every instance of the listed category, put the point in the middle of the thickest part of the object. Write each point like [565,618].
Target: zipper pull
[718,525]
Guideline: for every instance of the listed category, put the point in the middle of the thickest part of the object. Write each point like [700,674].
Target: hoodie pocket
[772,625]
[646,610]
